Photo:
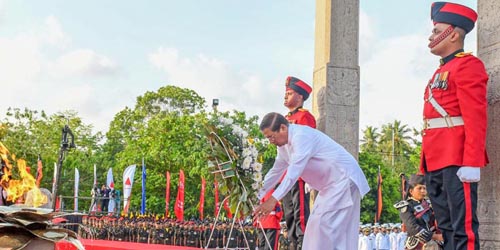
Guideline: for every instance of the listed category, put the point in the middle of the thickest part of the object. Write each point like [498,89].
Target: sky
[96,57]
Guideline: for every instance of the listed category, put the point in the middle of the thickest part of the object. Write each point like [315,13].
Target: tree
[30,133]
[370,141]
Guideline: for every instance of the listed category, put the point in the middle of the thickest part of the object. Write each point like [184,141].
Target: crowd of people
[155,230]
[382,237]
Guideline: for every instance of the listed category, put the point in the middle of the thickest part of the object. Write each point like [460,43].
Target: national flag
[216,193]
[179,201]
[202,198]
[128,180]
[77,181]
[143,202]
[379,196]
[109,179]
[167,193]
[39,171]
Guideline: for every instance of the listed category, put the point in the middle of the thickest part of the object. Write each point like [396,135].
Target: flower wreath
[236,163]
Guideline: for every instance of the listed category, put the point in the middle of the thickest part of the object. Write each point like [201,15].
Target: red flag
[202,198]
[379,196]
[216,192]
[167,194]
[228,210]
[39,172]
[179,202]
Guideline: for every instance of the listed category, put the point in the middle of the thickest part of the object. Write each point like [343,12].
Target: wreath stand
[224,169]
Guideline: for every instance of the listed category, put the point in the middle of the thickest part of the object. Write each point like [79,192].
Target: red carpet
[117,245]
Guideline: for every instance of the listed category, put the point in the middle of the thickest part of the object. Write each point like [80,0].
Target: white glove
[469,174]
[307,188]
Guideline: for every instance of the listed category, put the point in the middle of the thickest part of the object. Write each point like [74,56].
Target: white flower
[255,185]
[246,163]
[257,176]
[246,152]
[257,167]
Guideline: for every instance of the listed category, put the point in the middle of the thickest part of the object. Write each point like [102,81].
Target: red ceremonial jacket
[272,220]
[459,86]
[302,117]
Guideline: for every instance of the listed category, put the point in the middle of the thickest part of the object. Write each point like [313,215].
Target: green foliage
[30,133]
[396,152]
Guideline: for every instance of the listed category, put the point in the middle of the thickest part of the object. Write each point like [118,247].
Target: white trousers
[336,229]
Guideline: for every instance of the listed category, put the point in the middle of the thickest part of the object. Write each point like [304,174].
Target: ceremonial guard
[296,202]
[271,226]
[143,233]
[455,123]
[418,217]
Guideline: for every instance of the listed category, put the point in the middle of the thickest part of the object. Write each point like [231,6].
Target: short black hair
[273,121]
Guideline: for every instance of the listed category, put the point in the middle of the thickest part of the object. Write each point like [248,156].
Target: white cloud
[53,34]
[82,62]
[39,71]
[213,78]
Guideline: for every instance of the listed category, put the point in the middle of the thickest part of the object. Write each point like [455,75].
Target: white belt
[443,122]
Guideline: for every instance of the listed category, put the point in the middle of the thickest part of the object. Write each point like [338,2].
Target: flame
[17,188]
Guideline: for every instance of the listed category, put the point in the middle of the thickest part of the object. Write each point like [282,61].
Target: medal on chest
[440,81]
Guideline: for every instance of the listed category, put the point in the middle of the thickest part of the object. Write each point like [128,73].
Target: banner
[143,202]
[54,178]
[77,181]
[95,175]
[228,209]
[39,171]
[379,196]
[179,201]
[109,179]
[216,193]
[167,194]
[202,198]
[128,180]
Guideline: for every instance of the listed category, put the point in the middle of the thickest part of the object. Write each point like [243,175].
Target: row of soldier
[382,237]
[172,232]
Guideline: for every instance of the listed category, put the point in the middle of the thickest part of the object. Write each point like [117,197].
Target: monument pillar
[336,71]
[488,212]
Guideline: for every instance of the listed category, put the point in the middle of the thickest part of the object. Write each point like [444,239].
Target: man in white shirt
[393,236]
[327,167]
[365,241]
[382,240]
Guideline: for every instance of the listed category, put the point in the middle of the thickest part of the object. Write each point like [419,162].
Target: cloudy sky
[96,57]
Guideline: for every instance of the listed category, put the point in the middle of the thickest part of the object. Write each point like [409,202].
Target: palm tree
[395,144]
[370,140]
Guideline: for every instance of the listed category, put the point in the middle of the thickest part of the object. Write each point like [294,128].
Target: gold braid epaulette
[301,109]
[463,54]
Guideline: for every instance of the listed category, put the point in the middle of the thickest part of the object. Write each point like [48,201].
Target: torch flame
[17,188]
